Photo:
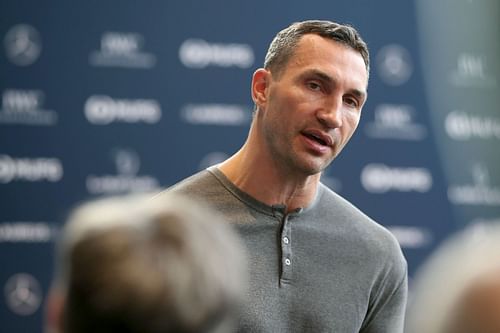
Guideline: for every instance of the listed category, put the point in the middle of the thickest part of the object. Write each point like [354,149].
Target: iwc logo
[22,45]
[23,294]
[122,49]
[395,121]
[472,70]
[25,107]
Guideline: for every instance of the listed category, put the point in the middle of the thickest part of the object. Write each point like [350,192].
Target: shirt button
[286,240]
[287,262]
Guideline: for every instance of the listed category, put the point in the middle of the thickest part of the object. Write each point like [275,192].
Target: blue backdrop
[107,97]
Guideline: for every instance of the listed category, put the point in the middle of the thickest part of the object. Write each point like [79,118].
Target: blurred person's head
[478,307]
[458,289]
[134,265]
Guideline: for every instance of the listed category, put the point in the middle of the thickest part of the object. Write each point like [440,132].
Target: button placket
[286,250]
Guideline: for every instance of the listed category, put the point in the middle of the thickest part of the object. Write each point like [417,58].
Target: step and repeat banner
[107,97]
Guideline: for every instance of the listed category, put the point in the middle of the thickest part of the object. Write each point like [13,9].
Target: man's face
[312,109]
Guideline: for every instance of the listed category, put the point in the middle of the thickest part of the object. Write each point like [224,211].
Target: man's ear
[260,84]
[54,312]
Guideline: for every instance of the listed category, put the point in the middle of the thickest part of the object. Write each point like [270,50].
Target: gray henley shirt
[325,268]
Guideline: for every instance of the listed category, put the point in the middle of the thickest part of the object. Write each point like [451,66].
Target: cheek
[293,107]
[353,119]
[355,122]
[296,97]
[351,122]
[290,100]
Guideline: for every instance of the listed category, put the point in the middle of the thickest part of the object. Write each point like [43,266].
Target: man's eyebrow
[319,74]
[361,94]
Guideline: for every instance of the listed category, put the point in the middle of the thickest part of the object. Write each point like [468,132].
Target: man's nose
[330,115]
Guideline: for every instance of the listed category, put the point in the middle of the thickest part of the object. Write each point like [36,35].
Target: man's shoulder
[206,186]
[362,228]
[197,185]
[196,181]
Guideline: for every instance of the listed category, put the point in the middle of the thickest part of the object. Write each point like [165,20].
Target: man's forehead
[313,57]
[313,44]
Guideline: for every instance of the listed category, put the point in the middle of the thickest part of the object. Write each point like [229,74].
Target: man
[317,264]
[134,265]
[457,290]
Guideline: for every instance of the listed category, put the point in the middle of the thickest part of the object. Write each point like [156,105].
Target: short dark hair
[284,44]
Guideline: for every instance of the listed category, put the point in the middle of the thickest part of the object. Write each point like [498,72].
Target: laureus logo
[125,179]
[479,192]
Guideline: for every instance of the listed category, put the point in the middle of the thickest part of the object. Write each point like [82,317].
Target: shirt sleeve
[387,307]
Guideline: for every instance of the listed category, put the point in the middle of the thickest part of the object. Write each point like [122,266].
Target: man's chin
[314,168]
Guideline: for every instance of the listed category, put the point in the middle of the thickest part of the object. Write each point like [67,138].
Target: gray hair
[284,44]
[130,264]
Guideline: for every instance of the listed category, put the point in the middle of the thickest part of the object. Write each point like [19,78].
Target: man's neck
[269,183]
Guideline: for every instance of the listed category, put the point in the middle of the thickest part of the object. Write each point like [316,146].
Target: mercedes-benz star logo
[22,45]
[23,294]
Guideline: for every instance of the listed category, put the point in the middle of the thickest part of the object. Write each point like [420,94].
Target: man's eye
[351,102]
[314,86]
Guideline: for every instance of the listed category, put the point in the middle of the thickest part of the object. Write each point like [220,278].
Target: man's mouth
[321,138]
[315,138]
